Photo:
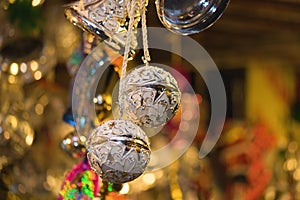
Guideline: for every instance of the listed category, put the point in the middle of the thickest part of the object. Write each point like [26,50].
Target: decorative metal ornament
[151,96]
[107,19]
[118,150]
[189,16]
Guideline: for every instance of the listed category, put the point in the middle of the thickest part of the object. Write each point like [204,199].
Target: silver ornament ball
[118,151]
[151,97]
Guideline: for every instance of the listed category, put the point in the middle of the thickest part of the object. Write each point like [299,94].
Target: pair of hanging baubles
[119,150]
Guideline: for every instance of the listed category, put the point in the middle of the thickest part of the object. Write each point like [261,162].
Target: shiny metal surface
[189,16]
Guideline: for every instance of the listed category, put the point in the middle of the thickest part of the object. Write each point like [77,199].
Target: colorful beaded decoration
[80,183]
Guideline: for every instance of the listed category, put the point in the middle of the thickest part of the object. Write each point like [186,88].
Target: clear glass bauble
[189,16]
[92,89]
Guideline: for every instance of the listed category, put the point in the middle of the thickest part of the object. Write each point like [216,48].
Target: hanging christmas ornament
[80,183]
[107,19]
[118,150]
[151,97]
[189,16]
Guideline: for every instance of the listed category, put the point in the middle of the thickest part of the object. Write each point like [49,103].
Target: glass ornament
[107,19]
[80,183]
[93,84]
[151,97]
[189,16]
[118,150]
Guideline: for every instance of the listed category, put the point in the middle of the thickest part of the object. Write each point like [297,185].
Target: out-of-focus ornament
[73,145]
[87,44]
[151,96]
[16,137]
[118,150]
[80,183]
[16,131]
[74,61]
[68,117]
[103,104]
[24,51]
[189,16]
[107,19]
[27,58]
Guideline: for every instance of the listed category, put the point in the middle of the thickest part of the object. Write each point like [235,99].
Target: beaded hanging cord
[131,7]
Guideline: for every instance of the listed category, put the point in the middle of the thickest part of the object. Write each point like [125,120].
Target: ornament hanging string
[146,58]
[131,8]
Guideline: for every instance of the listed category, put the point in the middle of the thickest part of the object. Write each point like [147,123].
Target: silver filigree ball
[118,151]
[151,96]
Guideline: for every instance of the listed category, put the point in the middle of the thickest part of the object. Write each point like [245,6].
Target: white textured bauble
[151,96]
[118,151]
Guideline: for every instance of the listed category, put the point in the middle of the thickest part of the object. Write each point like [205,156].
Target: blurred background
[255,45]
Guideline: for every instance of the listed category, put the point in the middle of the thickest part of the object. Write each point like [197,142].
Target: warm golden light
[23,67]
[148,179]
[270,193]
[293,146]
[34,65]
[11,79]
[36,2]
[29,140]
[68,141]
[37,75]
[14,68]
[95,100]
[290,164]
[39,109]
[82,138]
[12,121]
